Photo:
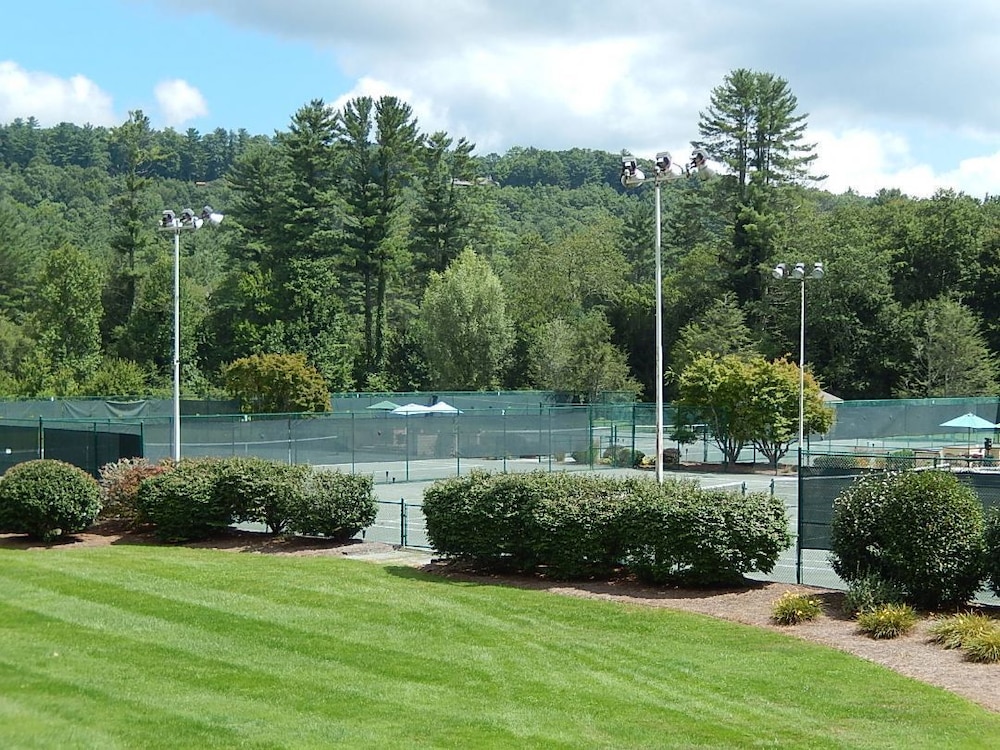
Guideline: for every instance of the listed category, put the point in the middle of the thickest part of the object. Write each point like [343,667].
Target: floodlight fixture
[632,176]
[212,217]
[663,163]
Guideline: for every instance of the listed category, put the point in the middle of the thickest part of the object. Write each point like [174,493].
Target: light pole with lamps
[798,273]
[174,224]
[633,177]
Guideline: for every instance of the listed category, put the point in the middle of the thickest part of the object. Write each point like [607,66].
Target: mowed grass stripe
[150,632]
[593,658]
[272,650]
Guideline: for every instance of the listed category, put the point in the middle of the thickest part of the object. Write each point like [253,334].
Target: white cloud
[867,161]
[51,99]
[179,102]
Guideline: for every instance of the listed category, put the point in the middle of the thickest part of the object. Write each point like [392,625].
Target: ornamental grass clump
[792,608]
[984,648]
[888,621]
[958,630]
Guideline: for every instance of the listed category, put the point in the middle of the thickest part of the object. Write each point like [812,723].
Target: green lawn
[147,647]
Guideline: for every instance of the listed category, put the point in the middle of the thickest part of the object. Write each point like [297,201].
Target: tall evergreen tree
[437,216]
[133,157]
[752,127]
[378,140]
[67,314]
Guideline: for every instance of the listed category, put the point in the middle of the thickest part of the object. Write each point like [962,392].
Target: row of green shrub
[919,537]
[571,525]
[194,499]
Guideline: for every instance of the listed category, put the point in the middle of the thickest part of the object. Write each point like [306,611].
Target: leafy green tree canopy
[467,332]
[276,384]
[744,401]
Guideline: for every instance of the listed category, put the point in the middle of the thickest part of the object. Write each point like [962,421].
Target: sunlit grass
[169,647]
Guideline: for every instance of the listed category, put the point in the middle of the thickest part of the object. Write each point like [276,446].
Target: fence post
[41,438]
[549,448]
[503,416]
[402,522]
[634,449]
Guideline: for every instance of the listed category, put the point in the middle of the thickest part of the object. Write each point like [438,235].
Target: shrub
[481,518]
[991,537]
[871,591]
[46,499]
[921,529]
[708,537]
[182,504]
[984,648]
[119,482]
[792,608]
[573,525]
[887,621]
[957,630]
[588,456]
[621,455]
[258,490]
[333,504]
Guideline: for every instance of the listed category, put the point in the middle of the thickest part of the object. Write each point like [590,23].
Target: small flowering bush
[985,647]
[887,621]
[792,608]
[957,630]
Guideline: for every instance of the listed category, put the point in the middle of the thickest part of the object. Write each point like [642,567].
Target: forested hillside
[398,259]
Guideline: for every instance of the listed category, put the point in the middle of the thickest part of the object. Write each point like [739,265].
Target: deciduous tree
[467,332]
[276,384]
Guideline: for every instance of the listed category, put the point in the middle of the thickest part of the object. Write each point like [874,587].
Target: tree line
[395,259]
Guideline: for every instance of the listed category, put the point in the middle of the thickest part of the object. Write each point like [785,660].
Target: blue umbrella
[970,422]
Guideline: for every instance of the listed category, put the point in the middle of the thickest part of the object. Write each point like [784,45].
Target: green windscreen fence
[87,445]
[381,436]
[398,447]
[821,487]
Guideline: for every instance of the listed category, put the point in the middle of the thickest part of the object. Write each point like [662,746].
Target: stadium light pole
[798,273]
[633,177]
[174,224]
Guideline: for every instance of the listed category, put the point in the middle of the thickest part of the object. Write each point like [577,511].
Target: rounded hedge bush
[334,505]
[569,525]
[992,543]
[46,499]
[182,503]
[921,531]
[481,518]
[258,490]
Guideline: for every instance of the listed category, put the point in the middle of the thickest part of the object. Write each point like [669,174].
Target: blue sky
[899,93]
